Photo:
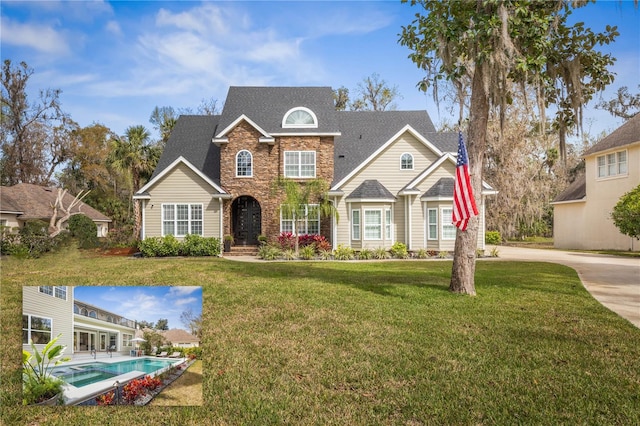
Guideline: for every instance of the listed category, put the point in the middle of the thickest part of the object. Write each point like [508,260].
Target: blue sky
[144,303]
[116,61]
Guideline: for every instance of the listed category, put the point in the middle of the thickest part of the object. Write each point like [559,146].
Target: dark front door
[247,219]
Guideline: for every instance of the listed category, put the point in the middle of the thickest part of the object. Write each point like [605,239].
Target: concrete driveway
[614,281]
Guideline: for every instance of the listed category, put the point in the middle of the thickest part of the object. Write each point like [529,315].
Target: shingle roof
[364,132]
[267,106]
[626,134]
[191,139]
[442,188]
[35,202]
[577,190]
[371,190]
[177,335]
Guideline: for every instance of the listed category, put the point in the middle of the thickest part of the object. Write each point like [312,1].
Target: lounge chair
[175,355]
[162,354]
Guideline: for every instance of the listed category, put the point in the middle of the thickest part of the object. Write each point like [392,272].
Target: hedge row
[193,245]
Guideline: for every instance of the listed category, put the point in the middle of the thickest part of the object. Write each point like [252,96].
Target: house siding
[182,185]
[59,311]
[588,225]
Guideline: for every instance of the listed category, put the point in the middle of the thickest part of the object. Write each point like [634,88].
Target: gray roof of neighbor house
[191,139]
[442,188]
[267,106]
[178,335]
[364,132]
[372,190]
[35,202]
[626,134]
[577,190]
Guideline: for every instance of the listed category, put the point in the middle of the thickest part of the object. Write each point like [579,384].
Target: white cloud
[182,290]
[42,38]
[114,28]
[185,301]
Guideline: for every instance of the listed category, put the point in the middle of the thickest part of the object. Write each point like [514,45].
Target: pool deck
[74,395]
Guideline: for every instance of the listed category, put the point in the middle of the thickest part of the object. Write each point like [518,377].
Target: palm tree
[297,198]
[135,158]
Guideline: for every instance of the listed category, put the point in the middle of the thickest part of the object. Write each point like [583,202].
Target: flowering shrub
[138,388]
[287,241]
[105,398]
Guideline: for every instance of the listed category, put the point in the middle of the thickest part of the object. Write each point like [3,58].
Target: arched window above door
[244,164]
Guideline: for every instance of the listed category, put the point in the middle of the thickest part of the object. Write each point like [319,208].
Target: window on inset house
[406,161]
[432,224]
[36,329]
[244,164]
[308,222]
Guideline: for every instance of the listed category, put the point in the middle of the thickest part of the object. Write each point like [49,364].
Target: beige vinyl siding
[59,311]
[182,186]
[11,220]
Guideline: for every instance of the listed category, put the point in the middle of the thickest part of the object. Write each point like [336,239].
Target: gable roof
[371,190]
[34,202]
[626,134]
[178,335]
[191,139]
[265,107]
[364,133]
[443,188]
[576,191]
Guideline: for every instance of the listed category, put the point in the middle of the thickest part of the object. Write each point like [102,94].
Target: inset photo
[112,345]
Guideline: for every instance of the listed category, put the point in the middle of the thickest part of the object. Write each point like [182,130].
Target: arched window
[406,161]
[76,309]
[300,117]
[110,319]
[84,312]
[93,314]
[244,164]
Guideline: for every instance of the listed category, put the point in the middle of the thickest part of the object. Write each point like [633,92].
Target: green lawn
[364,343]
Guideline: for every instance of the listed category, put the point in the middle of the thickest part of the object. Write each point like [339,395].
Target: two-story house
[391,173]
[51,310]
[582,213]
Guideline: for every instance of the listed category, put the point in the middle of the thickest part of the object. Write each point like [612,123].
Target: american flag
[464,205]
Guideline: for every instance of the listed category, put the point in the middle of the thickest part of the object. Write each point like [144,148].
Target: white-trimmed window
[126,340]
[244,164]
[373,224]
[432,224]
[300,117]
[36,328]
[613,164]
[182,219]
[309,223]
[300,164]
[448,228]
[406,161]
[355,224]
[57,291]
[93,314]
[387,225]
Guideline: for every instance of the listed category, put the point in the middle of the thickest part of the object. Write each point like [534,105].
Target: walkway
[614,281]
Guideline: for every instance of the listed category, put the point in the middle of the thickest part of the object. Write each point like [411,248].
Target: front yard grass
[364,343]
[185,390]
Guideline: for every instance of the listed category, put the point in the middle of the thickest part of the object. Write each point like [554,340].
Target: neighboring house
[582,213]
[181,338]
[24,202]
[50,310]
[391,174]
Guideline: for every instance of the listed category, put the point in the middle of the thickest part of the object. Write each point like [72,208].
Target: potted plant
[39,386]
[228,240]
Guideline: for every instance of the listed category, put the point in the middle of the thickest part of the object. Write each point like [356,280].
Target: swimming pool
[86,374]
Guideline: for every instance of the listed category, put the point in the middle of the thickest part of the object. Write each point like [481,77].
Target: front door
[103,342]
[247,220]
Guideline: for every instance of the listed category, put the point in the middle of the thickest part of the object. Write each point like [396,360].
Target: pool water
[85,374]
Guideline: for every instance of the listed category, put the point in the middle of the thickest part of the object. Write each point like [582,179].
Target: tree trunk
[464,257]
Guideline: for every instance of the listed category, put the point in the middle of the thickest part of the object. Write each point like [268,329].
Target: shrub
[493,237]
[380,253]
[150,246]
[344,253]
[399,250]
[325,254]
[85,230]
[443,254]
[422,253]
[269,252]
[365,254]
[286,240]
[195,245]
[288,254]
[308,252]
[121,237]
[170,246]
[32,240]
[494,252]
[195,351]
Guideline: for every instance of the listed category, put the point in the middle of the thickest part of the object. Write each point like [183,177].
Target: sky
[144,303]
[116,61]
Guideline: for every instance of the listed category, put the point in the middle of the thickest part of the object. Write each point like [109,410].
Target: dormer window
[300,117]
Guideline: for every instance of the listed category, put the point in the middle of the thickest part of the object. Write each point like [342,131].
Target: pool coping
[73,395]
